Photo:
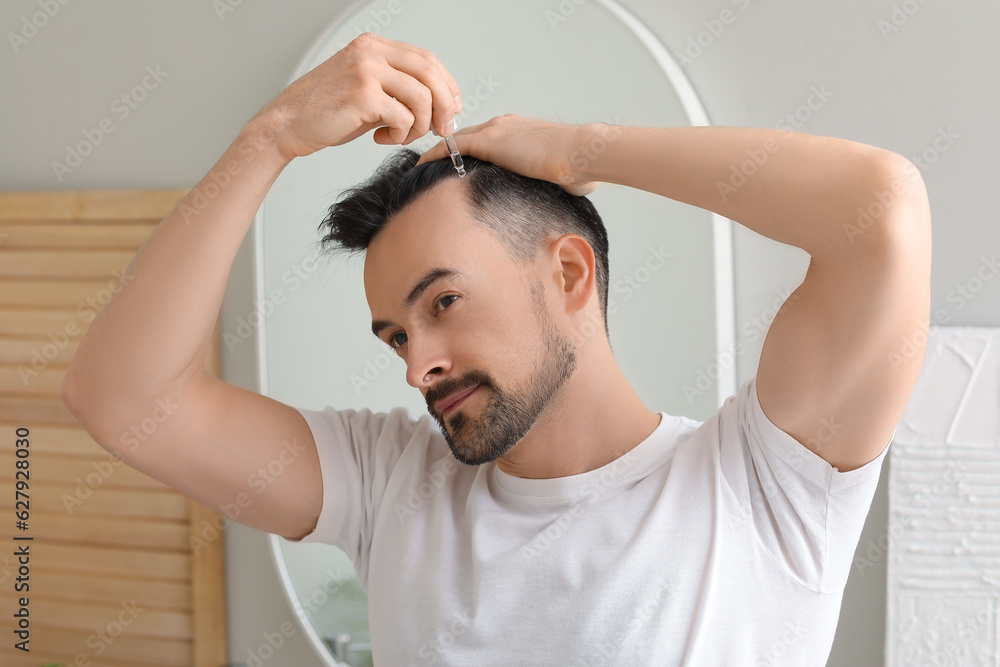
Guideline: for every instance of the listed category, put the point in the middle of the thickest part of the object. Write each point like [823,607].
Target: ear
[576,273]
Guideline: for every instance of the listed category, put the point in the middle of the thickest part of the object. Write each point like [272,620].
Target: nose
[426,359]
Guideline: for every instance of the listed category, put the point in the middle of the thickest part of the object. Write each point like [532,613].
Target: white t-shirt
[724,542]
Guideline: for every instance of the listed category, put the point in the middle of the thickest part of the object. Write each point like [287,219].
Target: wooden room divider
[106,540]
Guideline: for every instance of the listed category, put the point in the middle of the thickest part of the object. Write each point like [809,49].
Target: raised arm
[843,354]
[137,382]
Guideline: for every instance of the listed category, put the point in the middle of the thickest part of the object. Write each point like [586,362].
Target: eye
[392,338]
[447,296]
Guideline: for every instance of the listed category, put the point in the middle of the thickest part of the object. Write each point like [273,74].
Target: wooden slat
[37,352]
[80,222]
[96,471]
[12,658]
[58,234]
[88,616]
[85,295]
[30,382]
[61,645]
[208,587]
[58,263]
[50,439]
[112,561]
[55,498]
[34,410]
[103,471]
[155,594]
[94,530]
[84,205]
[43,322]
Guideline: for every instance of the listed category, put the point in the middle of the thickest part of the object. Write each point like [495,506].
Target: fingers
[398,120]
[440,149]
[425,67]
[415,97]
[468,141]
[418,92]
[436,152]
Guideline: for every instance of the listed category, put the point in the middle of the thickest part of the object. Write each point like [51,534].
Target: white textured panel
[944,508]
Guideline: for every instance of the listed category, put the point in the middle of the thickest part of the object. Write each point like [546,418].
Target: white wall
[934,77]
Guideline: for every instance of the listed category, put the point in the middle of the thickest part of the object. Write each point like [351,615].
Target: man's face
[488,326]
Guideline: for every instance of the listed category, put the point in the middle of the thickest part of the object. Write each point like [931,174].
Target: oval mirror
[670,296]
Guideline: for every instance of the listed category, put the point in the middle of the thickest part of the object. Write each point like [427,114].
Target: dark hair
[520,212]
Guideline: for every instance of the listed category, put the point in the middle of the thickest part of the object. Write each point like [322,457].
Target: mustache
[446,388]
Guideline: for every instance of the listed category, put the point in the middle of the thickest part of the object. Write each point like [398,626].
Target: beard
[507,415]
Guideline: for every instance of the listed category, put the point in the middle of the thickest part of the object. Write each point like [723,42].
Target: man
[548,516]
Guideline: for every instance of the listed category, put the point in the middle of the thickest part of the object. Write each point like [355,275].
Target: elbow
[70,390]
[903,180]
[896,203]
[77,396]
[912,219]
[74,392]
[73,398]
[69,393]
[77,389]
[903,237]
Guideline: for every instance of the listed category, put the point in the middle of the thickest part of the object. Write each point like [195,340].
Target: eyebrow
[428,279]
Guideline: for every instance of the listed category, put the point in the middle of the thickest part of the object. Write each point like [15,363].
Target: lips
[447,403]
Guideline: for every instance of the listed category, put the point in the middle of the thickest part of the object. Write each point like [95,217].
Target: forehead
[435,230]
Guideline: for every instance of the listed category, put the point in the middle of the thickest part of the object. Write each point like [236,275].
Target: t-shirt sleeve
[806,514]
[358,450]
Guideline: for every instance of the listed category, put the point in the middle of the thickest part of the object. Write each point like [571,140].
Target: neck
[596,418]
